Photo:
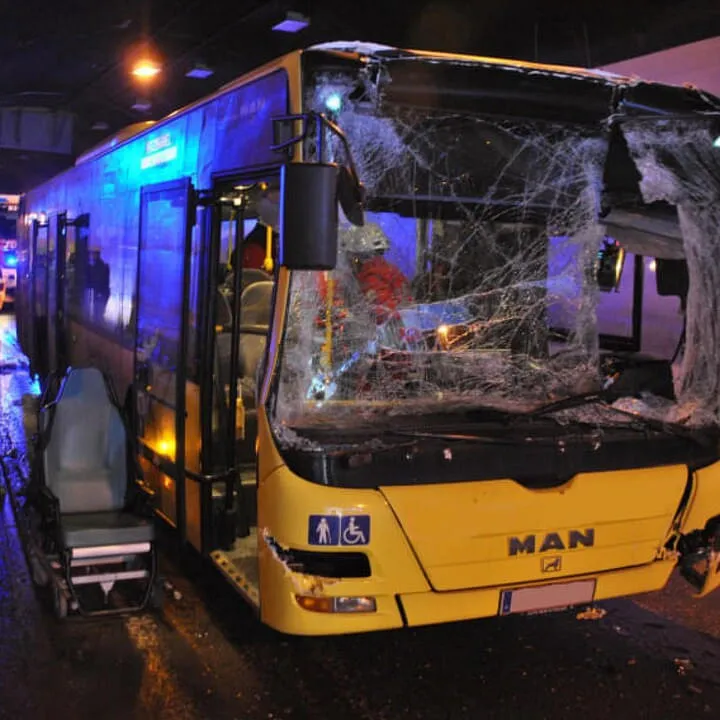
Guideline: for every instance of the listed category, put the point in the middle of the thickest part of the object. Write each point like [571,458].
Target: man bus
[515,439]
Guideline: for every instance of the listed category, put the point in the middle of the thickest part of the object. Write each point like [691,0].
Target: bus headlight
[363,604]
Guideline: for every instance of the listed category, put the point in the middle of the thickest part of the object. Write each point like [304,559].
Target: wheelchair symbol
[353,535]
[333,530]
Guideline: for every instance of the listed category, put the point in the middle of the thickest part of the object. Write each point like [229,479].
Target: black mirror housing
[309,216]
[621,177]
[351,195]
[611,259]
[671,278]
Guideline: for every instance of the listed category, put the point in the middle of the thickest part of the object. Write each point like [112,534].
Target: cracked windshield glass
[488,274]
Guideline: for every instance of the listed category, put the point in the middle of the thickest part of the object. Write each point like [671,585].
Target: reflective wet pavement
[204,656]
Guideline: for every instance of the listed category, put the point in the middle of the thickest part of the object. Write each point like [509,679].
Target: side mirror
[351,196]
[309,216]
[611,259]
[621,177]
[671,278]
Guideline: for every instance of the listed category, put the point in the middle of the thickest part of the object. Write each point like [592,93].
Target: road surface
[205,657]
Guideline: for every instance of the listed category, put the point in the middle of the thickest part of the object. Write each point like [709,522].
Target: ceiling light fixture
[142,105]
[293,22]
[200,71]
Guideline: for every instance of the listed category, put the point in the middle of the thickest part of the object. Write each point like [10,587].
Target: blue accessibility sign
[339,530]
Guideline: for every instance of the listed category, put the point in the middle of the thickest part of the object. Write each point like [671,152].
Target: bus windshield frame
[536,183]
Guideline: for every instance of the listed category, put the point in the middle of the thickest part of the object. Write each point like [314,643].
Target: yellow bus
[405,337]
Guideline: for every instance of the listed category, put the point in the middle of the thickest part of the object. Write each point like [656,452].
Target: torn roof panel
[467,83]
[368,49]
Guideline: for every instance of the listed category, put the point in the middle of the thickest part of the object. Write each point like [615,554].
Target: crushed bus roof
[609,94]
[365,49]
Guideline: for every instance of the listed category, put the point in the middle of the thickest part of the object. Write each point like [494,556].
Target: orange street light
[145,69]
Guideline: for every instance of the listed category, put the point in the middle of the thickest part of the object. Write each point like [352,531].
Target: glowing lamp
[716,142]
[145,69]
[11,260]
[166,447]
[333,102]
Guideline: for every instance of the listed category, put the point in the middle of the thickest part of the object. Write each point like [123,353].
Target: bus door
[242,248]
[57,246]
[221,422]
[167,212]
[39,275]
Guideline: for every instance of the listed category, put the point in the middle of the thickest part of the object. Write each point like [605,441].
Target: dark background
[75,55]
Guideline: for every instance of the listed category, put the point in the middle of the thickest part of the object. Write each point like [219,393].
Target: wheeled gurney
[80,531]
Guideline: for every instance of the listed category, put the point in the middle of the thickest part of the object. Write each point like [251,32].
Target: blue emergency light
[334,102]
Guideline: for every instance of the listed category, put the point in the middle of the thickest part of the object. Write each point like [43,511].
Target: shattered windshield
[481,276]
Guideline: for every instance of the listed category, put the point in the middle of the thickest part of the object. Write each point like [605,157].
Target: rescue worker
[365,286]
[383,285]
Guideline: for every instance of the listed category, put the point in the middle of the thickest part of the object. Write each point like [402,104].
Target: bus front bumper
[428,608]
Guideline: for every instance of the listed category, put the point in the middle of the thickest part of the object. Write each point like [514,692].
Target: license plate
[547,597]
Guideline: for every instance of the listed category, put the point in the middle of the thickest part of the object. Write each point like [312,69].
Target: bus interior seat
[254,275]
[85,474]
[250,276]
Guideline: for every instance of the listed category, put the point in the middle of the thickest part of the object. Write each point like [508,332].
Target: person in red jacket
[384,286]
[382,283]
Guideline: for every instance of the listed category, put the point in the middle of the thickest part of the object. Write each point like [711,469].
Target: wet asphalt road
[205,656]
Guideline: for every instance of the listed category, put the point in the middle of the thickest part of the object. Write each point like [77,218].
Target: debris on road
[591,613]
[682,665]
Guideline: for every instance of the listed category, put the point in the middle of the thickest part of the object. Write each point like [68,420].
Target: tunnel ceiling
[74,55]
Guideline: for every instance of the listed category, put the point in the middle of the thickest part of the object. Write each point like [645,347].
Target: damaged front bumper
[698,544]
[699,561]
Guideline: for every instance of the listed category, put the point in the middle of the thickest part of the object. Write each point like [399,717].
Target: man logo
[553,564]
[552,541]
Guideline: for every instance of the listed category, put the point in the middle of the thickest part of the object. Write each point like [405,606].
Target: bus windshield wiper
[502,438]
[601,397]
[638,422]
[453,436]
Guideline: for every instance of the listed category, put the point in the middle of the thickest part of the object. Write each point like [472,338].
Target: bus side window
[76,265]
